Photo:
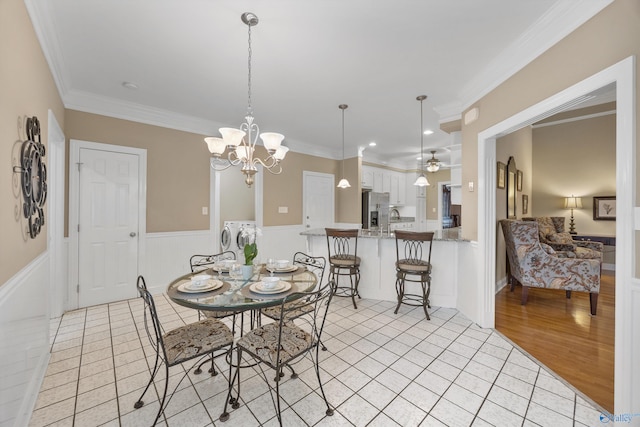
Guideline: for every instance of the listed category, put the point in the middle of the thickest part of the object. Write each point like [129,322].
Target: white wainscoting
[167,255]
[24,340]
[467,287]
[281,242]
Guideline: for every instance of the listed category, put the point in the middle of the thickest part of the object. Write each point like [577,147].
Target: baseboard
[609,267]
[500,284]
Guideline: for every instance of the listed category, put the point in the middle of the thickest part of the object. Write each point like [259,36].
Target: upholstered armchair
[551,232]
[534,266]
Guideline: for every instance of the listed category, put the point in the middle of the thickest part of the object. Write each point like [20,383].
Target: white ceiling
[189,61]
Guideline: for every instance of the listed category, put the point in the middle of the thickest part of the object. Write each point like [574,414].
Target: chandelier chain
[249,107]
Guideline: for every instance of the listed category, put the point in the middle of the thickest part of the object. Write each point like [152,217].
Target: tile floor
[381,369]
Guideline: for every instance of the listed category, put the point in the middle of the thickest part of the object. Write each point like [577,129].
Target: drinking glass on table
[271,265]
[235,271]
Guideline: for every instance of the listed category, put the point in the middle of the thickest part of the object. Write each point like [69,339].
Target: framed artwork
[512,172]
[525,204]
[519,180]
[501,176]
[604,208]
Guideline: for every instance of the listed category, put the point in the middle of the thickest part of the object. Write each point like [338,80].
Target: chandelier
[240,150]
[422,179]
[433,164]
[343,182]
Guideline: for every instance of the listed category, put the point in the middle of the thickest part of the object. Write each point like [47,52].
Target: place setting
[281,266]
[200,283]
[267,286]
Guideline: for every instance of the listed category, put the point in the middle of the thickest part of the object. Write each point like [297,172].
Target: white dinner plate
[188,287]
[283,270]
[280,287]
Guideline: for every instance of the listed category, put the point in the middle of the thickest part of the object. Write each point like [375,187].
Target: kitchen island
[377,252]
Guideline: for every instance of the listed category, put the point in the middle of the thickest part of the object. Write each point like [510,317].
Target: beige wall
[575,158]
[177,167]
[434,178]
[519,145]
[606,39]
[286,189]
[27,89]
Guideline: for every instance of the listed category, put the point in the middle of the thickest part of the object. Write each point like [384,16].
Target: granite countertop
[402,219]
[447,234]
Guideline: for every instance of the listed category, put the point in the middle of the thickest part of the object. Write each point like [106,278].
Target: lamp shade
[271,140]
[421,181]
[281,152]
[573,202]
[232,137]
[344,183]
[216,145]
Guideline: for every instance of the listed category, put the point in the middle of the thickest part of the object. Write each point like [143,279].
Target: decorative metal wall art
[33,177]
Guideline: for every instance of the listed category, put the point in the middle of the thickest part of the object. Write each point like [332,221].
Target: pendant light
[343,182]
[422,179]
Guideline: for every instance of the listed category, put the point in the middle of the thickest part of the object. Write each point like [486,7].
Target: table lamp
[572,203]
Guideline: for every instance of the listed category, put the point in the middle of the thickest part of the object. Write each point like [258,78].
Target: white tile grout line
[407,320]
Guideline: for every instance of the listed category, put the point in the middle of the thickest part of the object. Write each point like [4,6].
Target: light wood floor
[561,334]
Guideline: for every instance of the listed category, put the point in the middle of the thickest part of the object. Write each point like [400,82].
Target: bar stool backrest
[416,246]
[340,243]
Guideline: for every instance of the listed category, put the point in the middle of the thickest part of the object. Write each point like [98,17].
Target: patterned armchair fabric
[533,266]
[551,232]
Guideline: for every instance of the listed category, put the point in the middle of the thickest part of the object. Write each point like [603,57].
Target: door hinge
[78,166]
[78,228]
[78,288]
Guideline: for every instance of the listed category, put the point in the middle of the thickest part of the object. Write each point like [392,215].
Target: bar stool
[342,246]
[415,263]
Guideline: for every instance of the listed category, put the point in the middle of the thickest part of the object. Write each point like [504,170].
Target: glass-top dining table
[239,295]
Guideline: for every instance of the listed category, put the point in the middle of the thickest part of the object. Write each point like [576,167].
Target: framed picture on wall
[501,176]
[525,204]
[604,208]
[519,180]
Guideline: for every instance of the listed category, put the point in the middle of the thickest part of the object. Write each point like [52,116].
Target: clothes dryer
[233,239]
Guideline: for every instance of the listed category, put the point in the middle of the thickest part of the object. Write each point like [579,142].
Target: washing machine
[232,239]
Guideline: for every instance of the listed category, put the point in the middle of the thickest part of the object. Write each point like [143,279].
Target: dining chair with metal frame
[197,340]
[284,343]
[202,263]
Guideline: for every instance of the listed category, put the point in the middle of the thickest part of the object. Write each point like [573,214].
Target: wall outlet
[283,209]
[205,210]
[471,186]
[433,209]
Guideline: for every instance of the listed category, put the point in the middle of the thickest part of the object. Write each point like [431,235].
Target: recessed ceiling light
[428,132]
[372,144]
[130,85]
[418,158]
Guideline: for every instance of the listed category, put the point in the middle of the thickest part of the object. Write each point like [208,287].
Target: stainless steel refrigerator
[375,210]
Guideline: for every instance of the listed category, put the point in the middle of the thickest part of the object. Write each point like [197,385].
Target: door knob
[132,234]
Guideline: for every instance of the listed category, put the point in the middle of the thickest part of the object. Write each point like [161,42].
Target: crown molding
[560,20]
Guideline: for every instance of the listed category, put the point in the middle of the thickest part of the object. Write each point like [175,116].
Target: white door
[108,226]
[318,198]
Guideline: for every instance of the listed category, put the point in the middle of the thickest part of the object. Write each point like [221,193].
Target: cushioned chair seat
[263,342]
[414,266]
[294,310]
[345,260]
[189,341]
[217,314]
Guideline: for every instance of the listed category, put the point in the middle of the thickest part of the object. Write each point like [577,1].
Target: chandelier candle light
[241,151]
[422,179]
[343,182]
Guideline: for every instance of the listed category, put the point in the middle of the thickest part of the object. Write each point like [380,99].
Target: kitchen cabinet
[382,180]
[367,178]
